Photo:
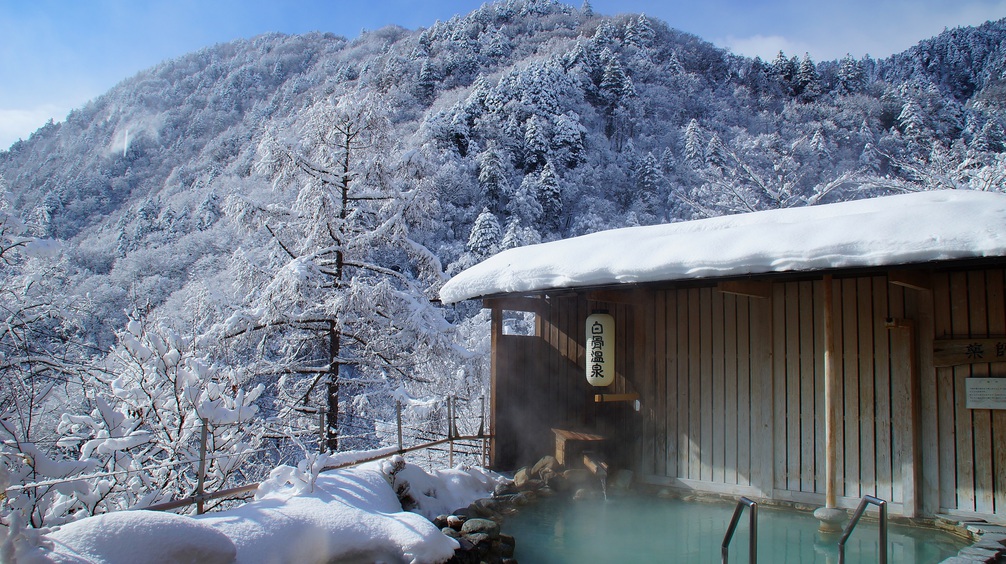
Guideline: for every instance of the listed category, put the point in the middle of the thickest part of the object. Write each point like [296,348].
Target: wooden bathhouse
[811,355]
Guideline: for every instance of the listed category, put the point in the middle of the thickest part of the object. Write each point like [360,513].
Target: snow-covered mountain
[293,203]
[605,122]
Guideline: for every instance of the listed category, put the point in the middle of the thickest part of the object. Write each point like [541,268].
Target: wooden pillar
[830,516]
[496,332]
[831,397]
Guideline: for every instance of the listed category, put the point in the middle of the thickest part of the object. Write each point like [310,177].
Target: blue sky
[55,55]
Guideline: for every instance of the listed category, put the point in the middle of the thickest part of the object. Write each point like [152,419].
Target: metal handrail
[753,525]
[867,500]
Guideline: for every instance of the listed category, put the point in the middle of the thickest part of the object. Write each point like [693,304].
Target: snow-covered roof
[892,230]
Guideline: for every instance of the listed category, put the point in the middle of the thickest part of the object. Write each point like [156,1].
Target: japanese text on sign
[954,352]
[985,393]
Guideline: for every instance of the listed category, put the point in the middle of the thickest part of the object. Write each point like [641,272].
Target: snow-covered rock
[350,515]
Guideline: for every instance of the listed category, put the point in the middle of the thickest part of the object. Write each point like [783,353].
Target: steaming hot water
[635,529]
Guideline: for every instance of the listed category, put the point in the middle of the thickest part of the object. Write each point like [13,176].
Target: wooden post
[322,436]
[831,397]
[830,516]
[482,431]
[202,468]
[398,414]
[450,431]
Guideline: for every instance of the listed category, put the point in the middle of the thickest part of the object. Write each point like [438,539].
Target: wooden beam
[627,297]
[517,303]
[747,288]
[913,279]
[605,398]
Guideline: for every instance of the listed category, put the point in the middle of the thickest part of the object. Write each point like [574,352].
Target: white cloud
[20,123]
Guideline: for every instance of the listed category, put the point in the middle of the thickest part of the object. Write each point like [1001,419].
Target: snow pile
[349,515]
[140,536]
[893,230]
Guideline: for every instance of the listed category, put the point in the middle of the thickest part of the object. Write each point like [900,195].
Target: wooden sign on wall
[954,352]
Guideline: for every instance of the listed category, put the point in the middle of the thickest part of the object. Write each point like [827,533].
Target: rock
[486,507]
[534,484]
[558,482]
[586,493]
[522,498]
[546,475]
[487,526]
[440,521]
[979,554]
[985,528]
[990,542]
[507,545]
[578,476]
[521,477]
[462,512]
[482,512]
[504,489]
[481,541]
[455,521]
[466,554]
[451,532]
[620,480]
[546,463]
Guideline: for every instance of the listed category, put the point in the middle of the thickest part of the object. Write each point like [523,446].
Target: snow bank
[893,230]
[128,537]
[352,515]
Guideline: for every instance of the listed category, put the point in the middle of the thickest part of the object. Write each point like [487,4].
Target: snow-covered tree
[493,179]
[911,119]
[549,197]
[808,82]
[649,184]
[140,441]
[850,75]
[347,301]
[485,236]
[695,153]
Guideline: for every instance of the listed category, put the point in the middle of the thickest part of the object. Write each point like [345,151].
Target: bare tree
[351,291]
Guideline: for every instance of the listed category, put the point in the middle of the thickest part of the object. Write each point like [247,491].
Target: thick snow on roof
[892,230]
[348,515]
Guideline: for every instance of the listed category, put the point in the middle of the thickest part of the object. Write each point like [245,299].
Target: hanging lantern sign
[600,349]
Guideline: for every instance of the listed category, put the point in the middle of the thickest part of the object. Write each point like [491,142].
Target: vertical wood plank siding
[732,390]
[971,442]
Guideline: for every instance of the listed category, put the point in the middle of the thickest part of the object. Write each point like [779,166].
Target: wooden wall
[972,442]
[732,389]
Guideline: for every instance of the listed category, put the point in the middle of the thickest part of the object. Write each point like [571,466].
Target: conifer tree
[808,83]
[535,143]
[550,198]
[485,237]
[493,177]
[850,75]
[694,146]
[524,204]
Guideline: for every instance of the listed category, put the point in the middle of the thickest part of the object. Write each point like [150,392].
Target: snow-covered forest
[253,236]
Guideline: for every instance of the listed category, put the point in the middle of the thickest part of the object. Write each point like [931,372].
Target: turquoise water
[633,529]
